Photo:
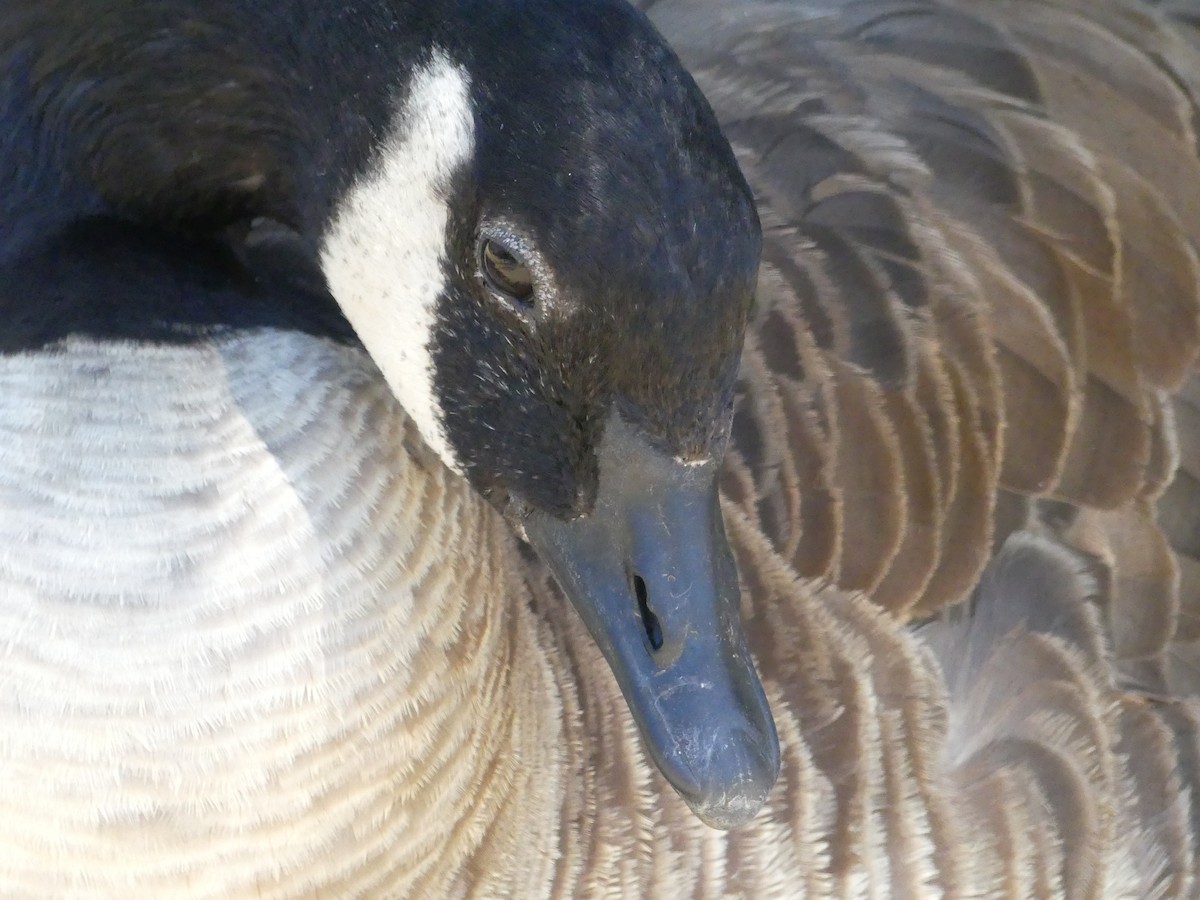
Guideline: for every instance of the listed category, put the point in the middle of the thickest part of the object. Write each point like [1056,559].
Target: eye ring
[505,272]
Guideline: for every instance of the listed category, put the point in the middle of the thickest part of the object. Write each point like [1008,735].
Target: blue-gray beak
[650,571]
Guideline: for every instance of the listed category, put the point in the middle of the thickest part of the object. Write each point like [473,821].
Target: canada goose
[293,652]
[188,181]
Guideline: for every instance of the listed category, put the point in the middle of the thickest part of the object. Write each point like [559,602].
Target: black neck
[197,113]
[139,141]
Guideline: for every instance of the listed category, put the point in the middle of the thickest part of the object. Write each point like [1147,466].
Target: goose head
[552,261]
[531,219]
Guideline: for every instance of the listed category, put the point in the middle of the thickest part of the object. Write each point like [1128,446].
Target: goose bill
[650,571]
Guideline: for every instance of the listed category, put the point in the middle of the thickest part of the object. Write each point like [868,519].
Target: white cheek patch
[383,254]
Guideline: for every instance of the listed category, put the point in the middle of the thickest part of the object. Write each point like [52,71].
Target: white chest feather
[251,647]
[236,619]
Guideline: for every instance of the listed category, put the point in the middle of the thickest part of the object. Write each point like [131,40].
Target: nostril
[649,619]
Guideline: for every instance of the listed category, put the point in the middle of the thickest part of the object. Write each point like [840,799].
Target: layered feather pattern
[963,496]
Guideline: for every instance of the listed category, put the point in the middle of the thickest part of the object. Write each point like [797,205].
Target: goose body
[261,639]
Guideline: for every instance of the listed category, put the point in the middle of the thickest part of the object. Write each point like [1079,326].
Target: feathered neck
[195,115]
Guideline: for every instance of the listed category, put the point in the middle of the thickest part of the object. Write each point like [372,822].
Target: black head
[600,173]
[601,249]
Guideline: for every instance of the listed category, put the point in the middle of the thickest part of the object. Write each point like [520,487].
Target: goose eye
[505,272]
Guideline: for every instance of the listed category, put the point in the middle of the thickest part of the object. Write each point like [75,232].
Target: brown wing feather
[970,391]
